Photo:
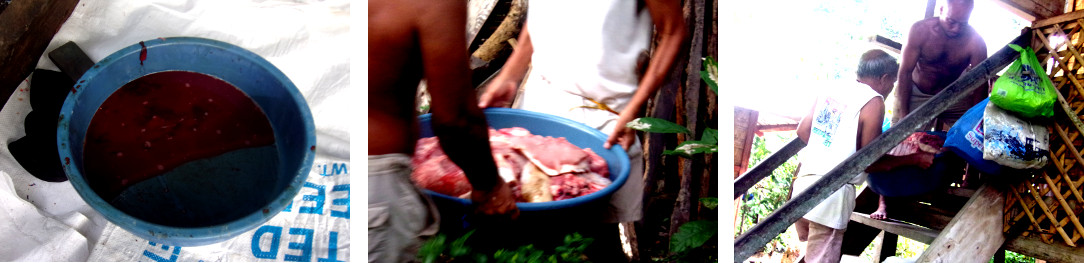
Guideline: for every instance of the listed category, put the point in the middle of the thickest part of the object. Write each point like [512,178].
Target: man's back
[396,50]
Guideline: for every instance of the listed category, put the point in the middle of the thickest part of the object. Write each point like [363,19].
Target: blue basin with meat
[548,125]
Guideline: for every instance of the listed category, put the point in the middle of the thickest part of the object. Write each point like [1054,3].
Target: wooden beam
[777,127]
[766,167]
[1058,19]
[886,43]
[753,240]
[26,28]
[1037,9]
[931,8]
[1034,247]
[975,234]
[1022,9]
[917,233]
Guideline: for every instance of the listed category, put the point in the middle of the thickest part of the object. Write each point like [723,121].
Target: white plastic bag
[1012,141]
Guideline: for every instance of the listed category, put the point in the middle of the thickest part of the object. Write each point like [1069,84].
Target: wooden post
[974,234]
[691,168]
[888,247]
[26,28]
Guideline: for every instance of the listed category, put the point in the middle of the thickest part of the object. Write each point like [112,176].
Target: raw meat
[567,186]
[538,168]
[918,141]
[441,175]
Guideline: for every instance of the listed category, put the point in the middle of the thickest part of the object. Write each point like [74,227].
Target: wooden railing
[754,239]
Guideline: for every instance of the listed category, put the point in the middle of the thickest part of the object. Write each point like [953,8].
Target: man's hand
[497,202]
[622,135]
[499,93]
[923,159]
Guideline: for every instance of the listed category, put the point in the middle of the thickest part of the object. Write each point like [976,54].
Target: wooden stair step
[915,232]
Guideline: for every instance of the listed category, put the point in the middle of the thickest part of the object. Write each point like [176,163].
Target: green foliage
[768,194]
[1013,257]
[710,202]
[710,74]
[438,249]
[693,234]
[656,125]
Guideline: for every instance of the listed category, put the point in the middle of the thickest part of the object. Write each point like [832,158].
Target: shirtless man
[408,41]
[937,52]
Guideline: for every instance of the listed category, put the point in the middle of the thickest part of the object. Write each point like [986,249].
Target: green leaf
[707,78]
[710,74]
[710,136]
[431,250]
[656,125]
[710,202]
[692,234]
[458,248]
[689,148]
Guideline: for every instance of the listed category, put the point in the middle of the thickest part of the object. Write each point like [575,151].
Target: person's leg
[824,244]
[802,227]
[399,216]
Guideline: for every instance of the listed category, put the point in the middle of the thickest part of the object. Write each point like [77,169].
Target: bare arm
[869,127]
[870,120]
[670,25]
[460,126]
[503,87]
[806,124]
[911,49]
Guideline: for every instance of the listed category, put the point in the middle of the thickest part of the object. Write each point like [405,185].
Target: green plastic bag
[1025,89]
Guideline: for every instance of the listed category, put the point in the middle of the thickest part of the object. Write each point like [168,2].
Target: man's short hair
[876,63]
[960,3]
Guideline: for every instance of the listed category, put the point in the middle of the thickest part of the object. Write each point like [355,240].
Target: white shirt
[589,51]
[833,137]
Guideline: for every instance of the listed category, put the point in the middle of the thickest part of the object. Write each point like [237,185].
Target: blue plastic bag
[965,138]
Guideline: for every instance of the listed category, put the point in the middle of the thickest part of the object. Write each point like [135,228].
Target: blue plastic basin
[272,91]
[548,125]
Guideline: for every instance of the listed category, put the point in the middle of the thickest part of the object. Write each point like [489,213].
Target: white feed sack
[1012,141]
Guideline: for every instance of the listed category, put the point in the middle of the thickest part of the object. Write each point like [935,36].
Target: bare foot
[880,214]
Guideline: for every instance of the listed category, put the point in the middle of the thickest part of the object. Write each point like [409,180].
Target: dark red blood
[67,160]
[142,53]
[155,123]
[313,148]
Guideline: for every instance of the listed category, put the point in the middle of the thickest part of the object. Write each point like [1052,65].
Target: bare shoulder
[975,37]
[922,29]
[924,26]
[876,103]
